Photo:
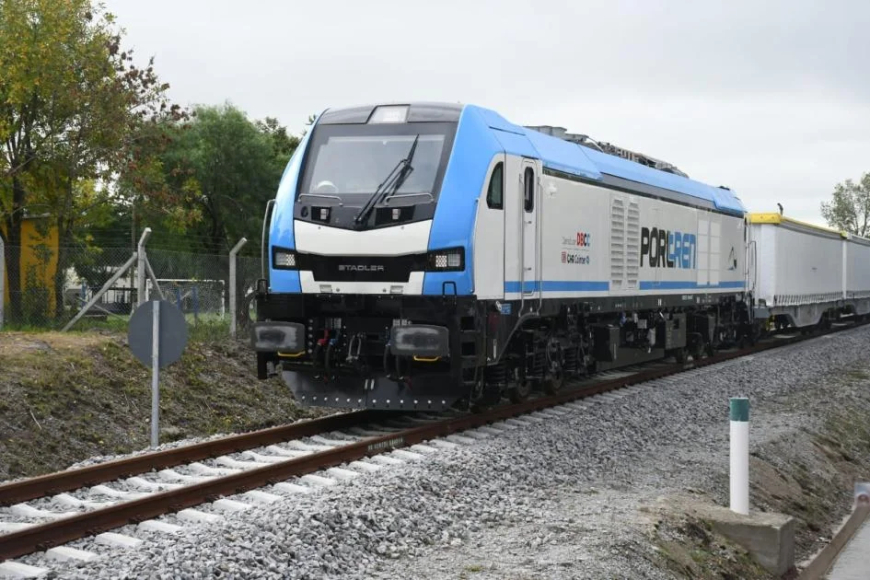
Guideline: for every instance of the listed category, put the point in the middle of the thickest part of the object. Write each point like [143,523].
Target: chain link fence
[44,288]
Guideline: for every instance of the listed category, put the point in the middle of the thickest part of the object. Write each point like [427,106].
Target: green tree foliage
[849,209]
[224,168]
[69,99]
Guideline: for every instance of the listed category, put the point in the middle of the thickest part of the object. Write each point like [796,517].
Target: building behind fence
[53,284]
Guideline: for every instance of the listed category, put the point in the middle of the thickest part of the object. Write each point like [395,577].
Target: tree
[849,210]
[69,98]
[227,167]
[283,144]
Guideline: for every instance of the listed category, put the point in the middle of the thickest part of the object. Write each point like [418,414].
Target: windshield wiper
[390,185]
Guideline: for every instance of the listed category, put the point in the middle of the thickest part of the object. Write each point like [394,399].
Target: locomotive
[429,255]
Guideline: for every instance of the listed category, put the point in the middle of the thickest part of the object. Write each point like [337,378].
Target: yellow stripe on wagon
[778,219]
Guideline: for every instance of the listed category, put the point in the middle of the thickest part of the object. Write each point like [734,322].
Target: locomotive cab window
[495,193]
[368,175]
[529,195]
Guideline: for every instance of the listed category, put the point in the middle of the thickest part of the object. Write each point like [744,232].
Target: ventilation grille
[632,245]
[617,244]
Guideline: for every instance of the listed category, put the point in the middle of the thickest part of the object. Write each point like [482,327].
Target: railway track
[270,456]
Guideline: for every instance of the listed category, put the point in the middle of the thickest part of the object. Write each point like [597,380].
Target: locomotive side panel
[599,242]
[575,239]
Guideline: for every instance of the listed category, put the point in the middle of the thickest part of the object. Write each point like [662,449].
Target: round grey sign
[172,333]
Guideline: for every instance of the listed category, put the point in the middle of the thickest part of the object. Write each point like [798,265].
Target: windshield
[353,167]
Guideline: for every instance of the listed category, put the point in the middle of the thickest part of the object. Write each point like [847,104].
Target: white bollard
[740,455]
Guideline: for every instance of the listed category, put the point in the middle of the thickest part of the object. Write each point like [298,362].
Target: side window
[495,194]
[529,190]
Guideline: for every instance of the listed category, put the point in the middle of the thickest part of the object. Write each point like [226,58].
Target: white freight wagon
[857,274]
[800,273]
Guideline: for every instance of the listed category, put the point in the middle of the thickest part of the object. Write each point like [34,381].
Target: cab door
[529,212]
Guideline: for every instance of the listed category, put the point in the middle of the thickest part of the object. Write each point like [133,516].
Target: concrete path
[853,563]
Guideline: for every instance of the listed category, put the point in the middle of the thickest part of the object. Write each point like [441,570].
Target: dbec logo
[584,239]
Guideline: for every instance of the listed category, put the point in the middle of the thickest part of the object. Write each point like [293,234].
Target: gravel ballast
[570,494]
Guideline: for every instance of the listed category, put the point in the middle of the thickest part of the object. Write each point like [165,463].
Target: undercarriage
[438,352]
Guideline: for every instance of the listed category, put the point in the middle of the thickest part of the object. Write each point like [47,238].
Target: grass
[205,328]
[68,396]
[690,549]
[808,476]
[857,374]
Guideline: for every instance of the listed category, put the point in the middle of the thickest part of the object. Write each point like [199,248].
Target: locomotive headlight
[284,259]
[389,114]
[447,260]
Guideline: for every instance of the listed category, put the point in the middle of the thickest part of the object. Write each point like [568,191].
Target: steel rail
[52,483]
[44,536]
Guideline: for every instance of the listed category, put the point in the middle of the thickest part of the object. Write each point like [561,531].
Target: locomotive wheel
[553,383]
[680,355]
[521,391]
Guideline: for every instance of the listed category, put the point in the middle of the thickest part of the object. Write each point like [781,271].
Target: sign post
[157,337]
[155,375]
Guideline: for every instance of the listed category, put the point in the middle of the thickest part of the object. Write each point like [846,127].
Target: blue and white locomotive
[428,255]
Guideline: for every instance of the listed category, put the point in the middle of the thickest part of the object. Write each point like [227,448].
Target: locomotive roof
[584,162]
[561,155]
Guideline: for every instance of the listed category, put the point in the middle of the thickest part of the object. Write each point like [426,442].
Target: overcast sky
[769,98]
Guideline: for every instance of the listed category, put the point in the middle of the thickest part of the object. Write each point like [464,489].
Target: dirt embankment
[808,473]
[67,397]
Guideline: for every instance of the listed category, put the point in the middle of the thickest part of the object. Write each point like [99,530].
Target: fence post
[233,305]
[140,267]
[2,279]
[96,297]
[195,296]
